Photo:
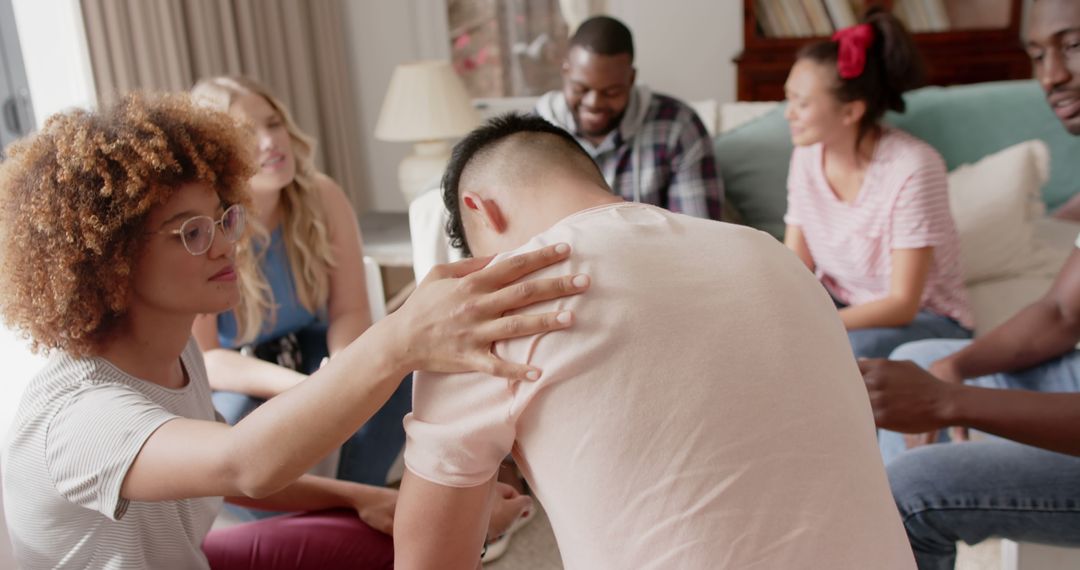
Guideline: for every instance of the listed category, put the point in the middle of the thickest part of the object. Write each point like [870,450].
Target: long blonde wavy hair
[304,227]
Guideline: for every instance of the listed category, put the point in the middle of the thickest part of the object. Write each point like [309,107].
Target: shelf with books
[962,41]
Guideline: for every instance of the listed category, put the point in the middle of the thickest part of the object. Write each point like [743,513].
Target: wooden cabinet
[981,44]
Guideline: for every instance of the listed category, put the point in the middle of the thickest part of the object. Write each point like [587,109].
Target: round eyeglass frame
[237,232]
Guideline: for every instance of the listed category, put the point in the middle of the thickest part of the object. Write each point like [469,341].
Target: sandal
[495,548]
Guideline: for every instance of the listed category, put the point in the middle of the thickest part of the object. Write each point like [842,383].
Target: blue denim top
[291,315]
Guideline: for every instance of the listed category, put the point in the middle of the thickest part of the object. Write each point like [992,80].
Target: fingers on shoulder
[518,266]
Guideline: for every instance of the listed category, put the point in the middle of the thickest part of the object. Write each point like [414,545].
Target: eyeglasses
[197,232]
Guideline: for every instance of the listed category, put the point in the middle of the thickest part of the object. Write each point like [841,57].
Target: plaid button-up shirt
[660,154]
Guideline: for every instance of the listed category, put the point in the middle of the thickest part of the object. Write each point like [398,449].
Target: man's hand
[945,369]
[906,398]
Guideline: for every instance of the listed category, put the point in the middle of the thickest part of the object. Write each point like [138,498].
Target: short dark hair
[893,66]
[604,35]
[487,137]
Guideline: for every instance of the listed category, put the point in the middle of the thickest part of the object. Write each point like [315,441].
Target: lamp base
[423,169]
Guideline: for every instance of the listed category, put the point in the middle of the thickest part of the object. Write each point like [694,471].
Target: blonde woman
[303,296]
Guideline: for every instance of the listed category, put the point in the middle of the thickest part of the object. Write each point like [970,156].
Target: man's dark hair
[487,137]
[604,35]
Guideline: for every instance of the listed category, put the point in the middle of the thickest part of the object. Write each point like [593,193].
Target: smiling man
[651,148]
[1020,382]
[703,412]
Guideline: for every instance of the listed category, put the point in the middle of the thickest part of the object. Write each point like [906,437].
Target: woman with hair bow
[868,207]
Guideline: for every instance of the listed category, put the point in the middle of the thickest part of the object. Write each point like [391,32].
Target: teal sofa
[964,123]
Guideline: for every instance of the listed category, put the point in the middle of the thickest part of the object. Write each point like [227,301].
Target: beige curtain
[296,47]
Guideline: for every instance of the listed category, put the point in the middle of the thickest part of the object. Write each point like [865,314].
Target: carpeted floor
[533,548]
[983,556]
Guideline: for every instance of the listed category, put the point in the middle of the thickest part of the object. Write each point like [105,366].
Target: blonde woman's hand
[508,507]
[450,322]
[375,506]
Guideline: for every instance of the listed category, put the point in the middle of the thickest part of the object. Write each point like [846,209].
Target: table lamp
[426,104]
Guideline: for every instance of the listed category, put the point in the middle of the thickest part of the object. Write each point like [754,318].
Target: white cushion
[1059,236]
[995,301]
[427,230]
[734,115]
[1032,556]
[708,111]
[996,202]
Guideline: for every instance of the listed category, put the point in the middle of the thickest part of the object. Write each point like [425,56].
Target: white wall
[57,61]
[382,34]
[684,48]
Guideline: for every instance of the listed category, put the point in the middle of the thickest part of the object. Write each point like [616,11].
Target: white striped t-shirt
[903,204]
[79,426]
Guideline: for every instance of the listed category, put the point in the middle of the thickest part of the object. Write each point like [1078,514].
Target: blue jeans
[366,457]
[992,487]
[880,341]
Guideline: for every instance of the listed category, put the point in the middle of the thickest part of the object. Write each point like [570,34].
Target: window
[16,113]
[507,48]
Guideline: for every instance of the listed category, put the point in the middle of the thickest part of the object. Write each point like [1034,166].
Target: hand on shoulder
[450,322]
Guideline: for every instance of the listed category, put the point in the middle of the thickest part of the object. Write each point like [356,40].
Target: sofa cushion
[995,203]
[967,122]
[993,302]
[753,161]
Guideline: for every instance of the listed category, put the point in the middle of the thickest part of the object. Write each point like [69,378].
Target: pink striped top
[903,204]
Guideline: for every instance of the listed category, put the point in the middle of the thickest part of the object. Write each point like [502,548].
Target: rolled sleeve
[460,428]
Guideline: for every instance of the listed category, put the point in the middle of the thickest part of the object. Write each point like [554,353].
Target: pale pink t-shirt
[704,411]
[903,204]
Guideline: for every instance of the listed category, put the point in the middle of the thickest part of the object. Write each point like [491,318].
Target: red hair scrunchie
[854,42]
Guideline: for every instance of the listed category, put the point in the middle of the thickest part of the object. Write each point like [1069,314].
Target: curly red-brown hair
[74,198]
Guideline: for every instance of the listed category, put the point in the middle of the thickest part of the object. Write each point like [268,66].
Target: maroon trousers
[327,540]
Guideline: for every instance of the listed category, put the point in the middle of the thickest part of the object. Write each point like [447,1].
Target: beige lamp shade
[426,101]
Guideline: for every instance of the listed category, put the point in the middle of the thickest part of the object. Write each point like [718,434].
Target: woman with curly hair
[118,228]
[305,298]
